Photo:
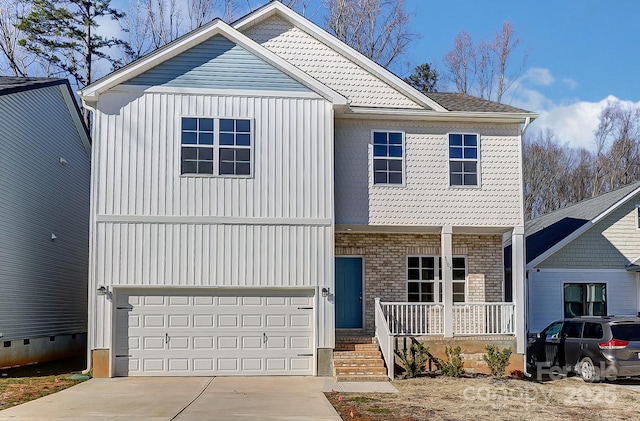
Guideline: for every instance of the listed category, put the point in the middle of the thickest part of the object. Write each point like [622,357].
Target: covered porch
[445,286]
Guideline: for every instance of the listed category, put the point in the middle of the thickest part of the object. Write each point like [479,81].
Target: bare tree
[547,168]
[504,45]
[487,69]
[15,59]
[376,28]
[461,62]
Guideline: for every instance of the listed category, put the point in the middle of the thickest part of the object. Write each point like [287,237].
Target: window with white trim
[463,159]
[585,299]
[638,217]
[424,271]
[388,157]
[215,146]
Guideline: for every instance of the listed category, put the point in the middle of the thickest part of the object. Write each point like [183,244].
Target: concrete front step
[356,340]
[347,378]
[357,347]
[337,355]
[359,362]
[360,371]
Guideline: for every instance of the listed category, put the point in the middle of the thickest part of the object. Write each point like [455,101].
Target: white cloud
[570,83]
[573,121]
[539,76]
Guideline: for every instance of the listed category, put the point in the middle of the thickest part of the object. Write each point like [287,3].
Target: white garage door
[170,333]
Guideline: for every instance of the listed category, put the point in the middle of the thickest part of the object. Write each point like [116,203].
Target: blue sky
[581,54]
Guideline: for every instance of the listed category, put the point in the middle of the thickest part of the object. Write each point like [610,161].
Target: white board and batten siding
[426,198]
[43,283]
[546,293]
[156,228]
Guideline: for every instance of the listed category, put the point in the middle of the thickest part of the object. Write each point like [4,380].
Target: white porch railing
[385,340]
[414,319]
[484,319]
[423,319]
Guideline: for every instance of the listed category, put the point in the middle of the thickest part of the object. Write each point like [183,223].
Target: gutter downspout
[525,367]
[90,291]
[527,122]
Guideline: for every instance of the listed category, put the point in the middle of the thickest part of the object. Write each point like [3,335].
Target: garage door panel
[153,320]
[179,320]
[203,342]
[206,334]
[228,320]
[203,320]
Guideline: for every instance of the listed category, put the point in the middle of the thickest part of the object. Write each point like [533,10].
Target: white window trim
[606,289]
[637,217]
[437,280]
[478,166]
[372,182]
[216,147]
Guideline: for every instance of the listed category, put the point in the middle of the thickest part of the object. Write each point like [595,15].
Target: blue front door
[348,292]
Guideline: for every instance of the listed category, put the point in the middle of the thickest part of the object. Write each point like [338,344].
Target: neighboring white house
[257,186]
[583,259]
[44,221]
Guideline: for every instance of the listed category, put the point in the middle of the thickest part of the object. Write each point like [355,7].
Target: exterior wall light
[325,292]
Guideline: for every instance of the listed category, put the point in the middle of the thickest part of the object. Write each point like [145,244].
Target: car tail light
[613,344]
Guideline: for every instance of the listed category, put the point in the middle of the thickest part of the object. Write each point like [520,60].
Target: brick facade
[385,264]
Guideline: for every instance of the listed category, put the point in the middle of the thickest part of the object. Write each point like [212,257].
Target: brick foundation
[473,348]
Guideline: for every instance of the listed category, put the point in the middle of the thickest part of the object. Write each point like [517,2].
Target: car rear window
[592,331]
[626,332]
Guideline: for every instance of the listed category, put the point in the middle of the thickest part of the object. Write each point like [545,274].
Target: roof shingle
[463,102]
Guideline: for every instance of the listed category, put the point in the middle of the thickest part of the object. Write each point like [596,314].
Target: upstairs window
[638,217]
[388,157]
[214,146]
[463,160]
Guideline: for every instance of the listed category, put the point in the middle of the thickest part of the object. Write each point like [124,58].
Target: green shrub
[414,359]
[497,360]
[453,367]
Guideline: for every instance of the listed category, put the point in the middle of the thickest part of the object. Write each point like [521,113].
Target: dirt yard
[23,384]
[484,398]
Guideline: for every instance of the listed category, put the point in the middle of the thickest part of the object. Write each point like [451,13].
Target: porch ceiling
[423,229]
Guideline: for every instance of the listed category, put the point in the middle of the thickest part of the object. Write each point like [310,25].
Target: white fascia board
[460,116]
[196,37]
[275,7]
[569,238]
[78,122]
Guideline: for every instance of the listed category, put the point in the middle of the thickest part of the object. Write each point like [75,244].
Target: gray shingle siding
[610,244]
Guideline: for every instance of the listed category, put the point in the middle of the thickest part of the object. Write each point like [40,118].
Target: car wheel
[587,370]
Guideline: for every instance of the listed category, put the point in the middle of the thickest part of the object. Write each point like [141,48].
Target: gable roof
[276,8]
[195,37]
[12,85]
[9,84]
[548,233]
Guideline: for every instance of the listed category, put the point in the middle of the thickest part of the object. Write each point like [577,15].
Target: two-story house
[257,186]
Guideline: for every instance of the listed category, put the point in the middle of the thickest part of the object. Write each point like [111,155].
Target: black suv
[592,347]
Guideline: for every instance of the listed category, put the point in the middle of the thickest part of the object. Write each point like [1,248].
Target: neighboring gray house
[583,259]
[257,186]
[44,221]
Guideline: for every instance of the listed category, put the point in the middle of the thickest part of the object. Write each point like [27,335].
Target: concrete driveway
[185,398]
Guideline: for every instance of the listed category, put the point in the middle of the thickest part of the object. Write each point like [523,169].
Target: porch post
[446,252]
[518,264]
